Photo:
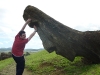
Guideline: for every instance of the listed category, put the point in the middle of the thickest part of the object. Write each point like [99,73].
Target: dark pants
[20,64]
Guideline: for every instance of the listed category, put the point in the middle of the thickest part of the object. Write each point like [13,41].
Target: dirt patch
[45,64]
[57,71]
[11,70]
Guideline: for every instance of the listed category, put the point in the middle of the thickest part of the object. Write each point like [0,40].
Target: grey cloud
[2,10]
[2,13]
[90,27]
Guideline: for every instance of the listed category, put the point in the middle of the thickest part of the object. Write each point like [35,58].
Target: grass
[5,63]
[44,63]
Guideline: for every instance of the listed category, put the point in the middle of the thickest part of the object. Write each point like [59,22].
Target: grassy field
[44,63]
[5,63]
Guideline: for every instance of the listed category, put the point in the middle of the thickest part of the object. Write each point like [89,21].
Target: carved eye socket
[31,24]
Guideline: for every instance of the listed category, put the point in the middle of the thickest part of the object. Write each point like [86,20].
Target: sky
[82,15]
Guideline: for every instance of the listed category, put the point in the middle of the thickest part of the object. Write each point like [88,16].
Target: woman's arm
[29,38]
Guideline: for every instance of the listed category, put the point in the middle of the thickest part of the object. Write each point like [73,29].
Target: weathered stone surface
[62,39]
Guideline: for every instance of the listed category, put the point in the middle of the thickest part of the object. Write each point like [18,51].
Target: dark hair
[21,32]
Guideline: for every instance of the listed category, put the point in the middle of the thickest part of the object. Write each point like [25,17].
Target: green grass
[44,63]
[5,63]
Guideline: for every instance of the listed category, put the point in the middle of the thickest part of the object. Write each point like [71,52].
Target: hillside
[44,63]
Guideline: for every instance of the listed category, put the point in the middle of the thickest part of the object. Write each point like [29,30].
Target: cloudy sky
[81,15]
